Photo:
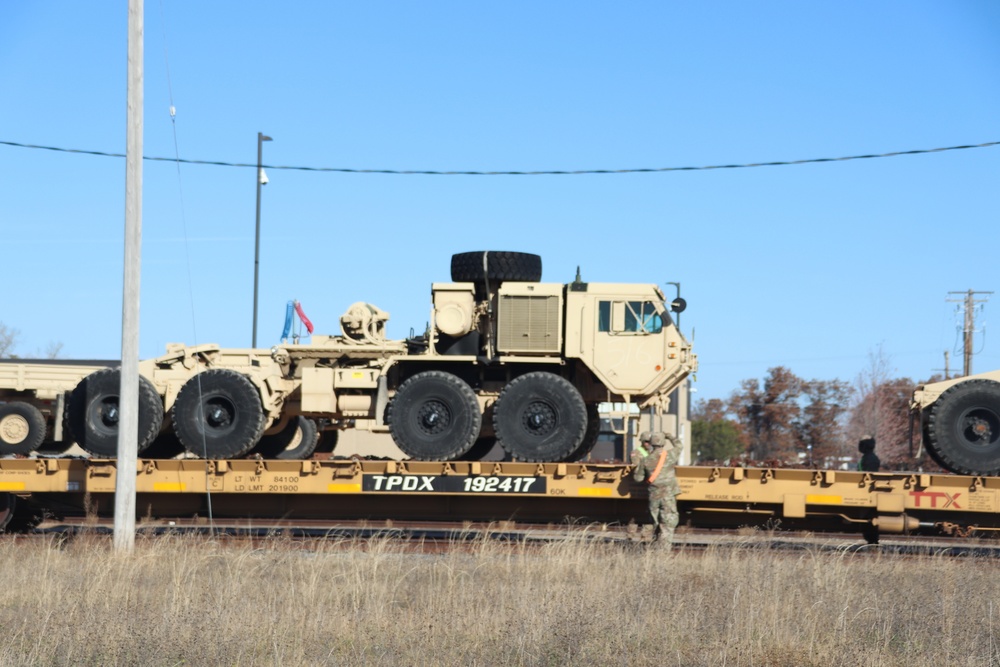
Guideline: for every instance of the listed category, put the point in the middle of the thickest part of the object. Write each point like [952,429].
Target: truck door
[630,344]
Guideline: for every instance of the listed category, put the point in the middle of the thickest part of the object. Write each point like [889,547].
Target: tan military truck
[960,421]
[505,359]
[33,402]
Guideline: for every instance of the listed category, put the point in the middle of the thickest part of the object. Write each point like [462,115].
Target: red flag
[302,316]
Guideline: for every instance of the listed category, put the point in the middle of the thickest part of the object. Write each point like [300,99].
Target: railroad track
[438,537]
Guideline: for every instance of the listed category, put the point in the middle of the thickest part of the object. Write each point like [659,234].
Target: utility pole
[128,425]
[969,325]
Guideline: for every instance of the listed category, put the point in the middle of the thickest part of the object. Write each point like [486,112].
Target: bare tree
[8,340]
[881,409]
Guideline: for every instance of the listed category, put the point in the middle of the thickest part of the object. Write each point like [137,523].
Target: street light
[261,180]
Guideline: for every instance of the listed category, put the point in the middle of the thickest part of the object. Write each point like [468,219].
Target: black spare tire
[434,416]
[963,428]
[218,414]
[94,412]
[500,265]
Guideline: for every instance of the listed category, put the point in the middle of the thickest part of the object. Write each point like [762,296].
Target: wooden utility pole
[128,425]
[969,325]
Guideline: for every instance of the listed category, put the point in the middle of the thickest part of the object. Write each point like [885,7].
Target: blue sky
[813,267]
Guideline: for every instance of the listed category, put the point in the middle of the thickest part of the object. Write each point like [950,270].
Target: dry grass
[178,601]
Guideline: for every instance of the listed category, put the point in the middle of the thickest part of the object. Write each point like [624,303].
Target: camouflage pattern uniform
[641,450]
[664,490]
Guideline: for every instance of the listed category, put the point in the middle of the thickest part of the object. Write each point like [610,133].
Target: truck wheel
[590,436]
[540,417]
[480,448]
[165,446]
[964,428]
[434,416]
[22,428]
[296,441]
[218,414]
[327,441]
[467,267]
[94,412]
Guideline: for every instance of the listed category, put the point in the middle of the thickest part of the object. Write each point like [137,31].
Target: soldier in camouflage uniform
[641,450]
[657,470]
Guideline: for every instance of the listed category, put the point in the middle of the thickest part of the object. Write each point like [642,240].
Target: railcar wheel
[94,412]
[540,417]
[963,428]
[590,435]
[434,416]
[22,428]
[218,414]
[297,440]
[501,265]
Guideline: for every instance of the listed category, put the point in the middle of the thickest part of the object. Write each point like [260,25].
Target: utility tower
[969,327]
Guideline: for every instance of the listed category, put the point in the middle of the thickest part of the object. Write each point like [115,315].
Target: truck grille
[528,324]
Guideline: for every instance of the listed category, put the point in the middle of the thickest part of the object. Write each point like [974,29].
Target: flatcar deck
[800,499]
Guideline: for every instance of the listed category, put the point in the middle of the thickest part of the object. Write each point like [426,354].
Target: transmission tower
[969,327]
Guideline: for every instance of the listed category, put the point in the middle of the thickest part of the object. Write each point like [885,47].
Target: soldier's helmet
[644,436]
[656,439]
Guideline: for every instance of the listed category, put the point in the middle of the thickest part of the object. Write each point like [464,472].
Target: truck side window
[640,317]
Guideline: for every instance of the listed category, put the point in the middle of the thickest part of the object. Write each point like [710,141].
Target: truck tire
[540,416]
[963,427]
[480,448]
[296,441]
[218,414]
[327,441]
[467,267]
[94,413]
[164,446]
[22,428]
[590,436]
[434,416]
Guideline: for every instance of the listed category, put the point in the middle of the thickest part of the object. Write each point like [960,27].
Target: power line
[578,172]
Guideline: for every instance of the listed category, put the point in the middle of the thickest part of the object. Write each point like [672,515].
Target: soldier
[641,450]
[657,470]
[869,461]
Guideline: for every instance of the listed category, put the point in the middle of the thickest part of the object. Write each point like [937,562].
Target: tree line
[784,419]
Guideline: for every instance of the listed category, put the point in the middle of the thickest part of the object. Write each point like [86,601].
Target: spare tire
[500,265]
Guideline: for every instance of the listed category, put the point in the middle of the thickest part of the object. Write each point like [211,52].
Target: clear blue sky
[812,267]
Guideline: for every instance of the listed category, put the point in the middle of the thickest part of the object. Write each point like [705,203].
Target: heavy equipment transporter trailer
[870,504]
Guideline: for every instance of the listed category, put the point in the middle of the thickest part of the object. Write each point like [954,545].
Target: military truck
[505,359]
[33,402]
[960,422]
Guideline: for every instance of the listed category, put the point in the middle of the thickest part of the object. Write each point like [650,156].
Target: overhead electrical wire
[576,172]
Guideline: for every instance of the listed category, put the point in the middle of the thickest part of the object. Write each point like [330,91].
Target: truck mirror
[678,305]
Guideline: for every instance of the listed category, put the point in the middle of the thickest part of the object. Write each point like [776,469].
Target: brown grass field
[187,601]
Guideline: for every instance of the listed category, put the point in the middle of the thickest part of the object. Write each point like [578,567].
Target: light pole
[261,180]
